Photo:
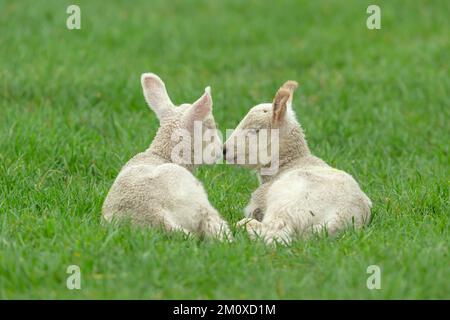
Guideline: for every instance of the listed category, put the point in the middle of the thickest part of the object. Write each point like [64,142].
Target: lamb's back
[320,191]
[142,192]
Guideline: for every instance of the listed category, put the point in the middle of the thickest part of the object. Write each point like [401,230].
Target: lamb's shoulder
[169,177]
[144,158]
[139,186]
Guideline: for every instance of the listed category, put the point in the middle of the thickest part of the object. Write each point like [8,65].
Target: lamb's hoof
[226,236]
[242,223]
[252,226]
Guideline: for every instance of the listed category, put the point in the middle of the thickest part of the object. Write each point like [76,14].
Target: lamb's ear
[202,107]
[290,86]
[282,101]
[155,94]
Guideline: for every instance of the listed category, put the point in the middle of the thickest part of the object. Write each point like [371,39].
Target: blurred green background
[372,102]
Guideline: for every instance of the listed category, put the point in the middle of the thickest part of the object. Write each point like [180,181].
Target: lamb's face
[188,131]
[252,135]
[256,140]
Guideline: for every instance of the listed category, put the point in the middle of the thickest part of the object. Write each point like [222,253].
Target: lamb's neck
[154,156]
[146,158]
[294,152]
[284,165]
[154,153]
[157,155]
[160,150]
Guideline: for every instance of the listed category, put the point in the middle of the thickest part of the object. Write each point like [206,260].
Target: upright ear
[155,94]
[282,101]
[201,108]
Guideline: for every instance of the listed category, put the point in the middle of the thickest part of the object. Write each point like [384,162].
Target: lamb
[306,195]
[152,189]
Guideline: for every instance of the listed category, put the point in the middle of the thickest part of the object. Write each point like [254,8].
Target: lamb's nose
[224,151]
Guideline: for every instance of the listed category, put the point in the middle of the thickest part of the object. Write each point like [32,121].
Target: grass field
[373,102]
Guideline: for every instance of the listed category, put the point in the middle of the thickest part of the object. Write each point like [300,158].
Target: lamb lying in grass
[306,194]
[152,190]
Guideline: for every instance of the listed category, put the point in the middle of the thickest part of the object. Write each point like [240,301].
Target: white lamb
[152,190]
[306,195]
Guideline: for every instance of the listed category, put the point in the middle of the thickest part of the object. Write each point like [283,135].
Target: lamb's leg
[277,231]
[281,224]
[213,226]
[253,227]
[274,231]
[257,206]
[331,227]
[170,225]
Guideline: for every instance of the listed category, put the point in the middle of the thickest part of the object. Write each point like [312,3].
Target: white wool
[153,191]
[306,195]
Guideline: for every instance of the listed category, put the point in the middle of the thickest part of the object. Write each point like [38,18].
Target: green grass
[373,103]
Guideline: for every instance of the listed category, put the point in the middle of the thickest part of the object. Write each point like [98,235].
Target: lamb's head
[187,133]
[266,133]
